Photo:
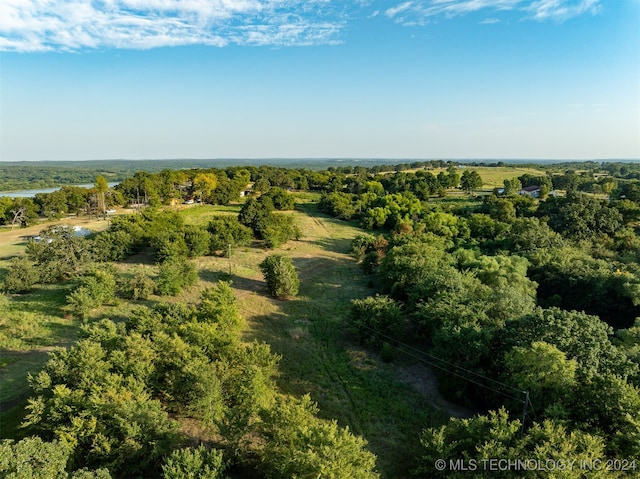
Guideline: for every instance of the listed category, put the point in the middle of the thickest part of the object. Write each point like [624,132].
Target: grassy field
[388,404]
[493,177]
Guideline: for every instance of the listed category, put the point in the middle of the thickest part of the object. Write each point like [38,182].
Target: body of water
[32,193]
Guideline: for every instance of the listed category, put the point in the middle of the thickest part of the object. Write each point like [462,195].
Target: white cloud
[72,25]
[418,12]
[403,7]
[562,9]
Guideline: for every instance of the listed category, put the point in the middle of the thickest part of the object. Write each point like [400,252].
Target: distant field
[493,177]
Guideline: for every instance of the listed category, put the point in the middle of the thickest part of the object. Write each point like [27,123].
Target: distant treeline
[49,174]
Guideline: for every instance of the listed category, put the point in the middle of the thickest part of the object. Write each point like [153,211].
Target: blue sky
[495,79]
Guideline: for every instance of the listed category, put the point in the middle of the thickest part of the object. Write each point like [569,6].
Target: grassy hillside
[388,404]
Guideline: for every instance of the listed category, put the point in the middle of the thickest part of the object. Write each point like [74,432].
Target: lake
[32,193]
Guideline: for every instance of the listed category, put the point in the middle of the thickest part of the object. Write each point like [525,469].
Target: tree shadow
[44,299]
[17,364]
[65,334]
[248,284]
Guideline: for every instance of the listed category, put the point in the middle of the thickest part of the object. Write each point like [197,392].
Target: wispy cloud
[72,25]
[562,9]
[418,12]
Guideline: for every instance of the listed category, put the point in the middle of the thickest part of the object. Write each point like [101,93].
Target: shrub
[280,275]
[190,463]
[175,273]
[375,319]
[80,302]
[139,286]
[197,239]
[21,277]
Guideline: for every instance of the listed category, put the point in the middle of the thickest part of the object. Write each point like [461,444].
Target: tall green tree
[101,186]
[21,276]
[470,180]
[280,275]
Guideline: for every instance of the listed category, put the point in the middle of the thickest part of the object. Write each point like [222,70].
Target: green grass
[31,325]
[200,214]
[493,177]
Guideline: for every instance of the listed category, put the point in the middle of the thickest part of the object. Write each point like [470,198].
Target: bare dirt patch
[423,380]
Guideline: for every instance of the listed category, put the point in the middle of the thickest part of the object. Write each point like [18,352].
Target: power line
[451,365]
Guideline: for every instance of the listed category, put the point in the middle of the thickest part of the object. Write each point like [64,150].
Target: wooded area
[515,289]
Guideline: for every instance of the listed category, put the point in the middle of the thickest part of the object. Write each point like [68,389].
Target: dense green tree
[481,439]
[80,302]
[338,204]
[94,289]
[529,234]
[542,370]
[503,210]
[197,239]
[169,243]
[609,405]
[75,197]
[375,320]
[512,186]
[21,275]
[112,245]
[278,230]
[261,185]
[255,213]
[406,266]
[580,217]
[174,274]
[303,446]
[470,181]
[105,418]
[52,205]
[280,275]
[445,224]
[375,217]
[499,270]
[281,199]
[225,231]
[33,458]
[59,254]
[194,463]
[579,336]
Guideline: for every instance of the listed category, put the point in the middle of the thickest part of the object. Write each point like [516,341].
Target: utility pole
[524,410]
